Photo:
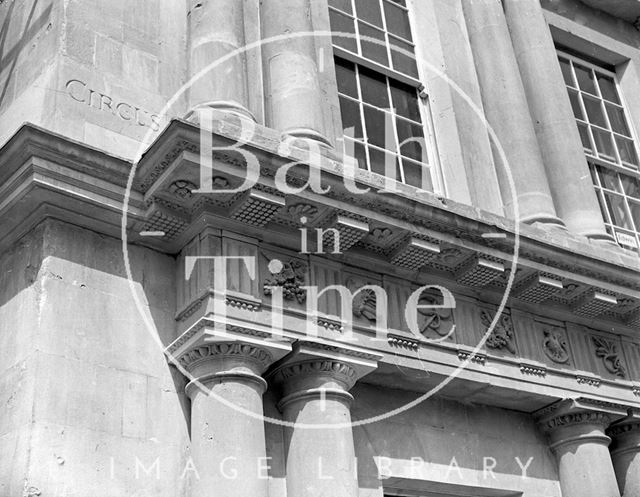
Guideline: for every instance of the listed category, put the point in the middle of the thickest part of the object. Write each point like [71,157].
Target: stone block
[108,55]
[80,43]
[140,68]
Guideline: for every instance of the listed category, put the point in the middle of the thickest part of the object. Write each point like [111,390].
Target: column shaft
[227,429]
[474,139]
[293,94]
[573,193]
[319,447]
[625,452]
[507,112]
[216,30]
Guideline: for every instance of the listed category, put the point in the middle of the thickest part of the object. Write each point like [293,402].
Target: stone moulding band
[316,393]
[582,439]
[238,376]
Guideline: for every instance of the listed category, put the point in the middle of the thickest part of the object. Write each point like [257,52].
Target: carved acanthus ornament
[608,351]
[291,279]
[502,335]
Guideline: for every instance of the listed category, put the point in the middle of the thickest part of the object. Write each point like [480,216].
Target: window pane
[372,49]
[405,101]
[344,5]
[351,121]
[575,104]
[375,122]
[619,215]
[346,77]
[617,119]
[584,136]
[604,144]
[417,175]
[369,10]
[374,88]
[411,140]
[360,155]
[635,214]
[627,150]
[585,79]
[397,20]
[609,179]
[608,88]
[594,111]
[565,65]
[403,59]
[342,28]
[631,186]
[379,160]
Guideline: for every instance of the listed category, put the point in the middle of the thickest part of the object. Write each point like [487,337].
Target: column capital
[318,367]
[210,354]
[625,435]
[574,421]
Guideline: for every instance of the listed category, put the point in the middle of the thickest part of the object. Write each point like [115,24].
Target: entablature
[553,338]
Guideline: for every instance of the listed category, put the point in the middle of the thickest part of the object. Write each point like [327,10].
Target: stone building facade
[187,187]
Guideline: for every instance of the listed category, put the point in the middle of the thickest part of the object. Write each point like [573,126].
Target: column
[578,440]
[625,452]
[293,94]
[216,30]
[571,187]
[320,454]
[227,428]
[507,112]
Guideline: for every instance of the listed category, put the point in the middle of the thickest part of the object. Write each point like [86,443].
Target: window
[384,118]
[608,142]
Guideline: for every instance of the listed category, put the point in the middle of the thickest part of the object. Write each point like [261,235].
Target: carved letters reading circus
[79,91]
